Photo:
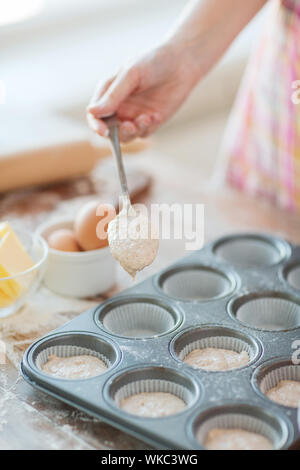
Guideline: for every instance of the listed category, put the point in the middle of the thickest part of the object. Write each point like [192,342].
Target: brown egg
[63,240]
[91,229]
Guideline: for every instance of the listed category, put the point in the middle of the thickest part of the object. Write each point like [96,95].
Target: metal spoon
[113,127]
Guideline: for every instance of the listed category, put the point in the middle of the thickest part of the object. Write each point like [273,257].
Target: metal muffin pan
[144,333]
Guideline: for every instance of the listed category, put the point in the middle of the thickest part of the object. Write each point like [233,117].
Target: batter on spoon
[131,240]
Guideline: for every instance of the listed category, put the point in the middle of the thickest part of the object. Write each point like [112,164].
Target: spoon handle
[113,127]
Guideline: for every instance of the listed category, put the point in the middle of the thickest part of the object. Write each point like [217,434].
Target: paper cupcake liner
[138,320]
[293,277]
[68,351]
[239,421]
[270,313]
[153,385]
[196,284]
[152,379]
[248,252]
[219,342]
[271,378]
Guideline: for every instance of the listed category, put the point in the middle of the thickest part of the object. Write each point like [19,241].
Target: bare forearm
[149,91]
[206,29]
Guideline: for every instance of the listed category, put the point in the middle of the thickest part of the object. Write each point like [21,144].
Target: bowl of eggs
[79,261]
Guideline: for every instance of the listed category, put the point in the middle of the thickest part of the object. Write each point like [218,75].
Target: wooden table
[30,419]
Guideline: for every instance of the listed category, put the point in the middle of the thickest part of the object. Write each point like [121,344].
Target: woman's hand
[145,94]
[148,92]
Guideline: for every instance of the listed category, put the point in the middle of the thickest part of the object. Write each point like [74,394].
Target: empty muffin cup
[249,251]
[241,417]
[271,311]
[73,346]
[154,383]
[138,317]
[269,375]
[216,337]
[196,283]
[292,275]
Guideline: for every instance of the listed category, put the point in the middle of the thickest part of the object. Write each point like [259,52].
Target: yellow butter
[6,300]
[6,286]
[13,260]
[10,289]
[5,228]
[13,256]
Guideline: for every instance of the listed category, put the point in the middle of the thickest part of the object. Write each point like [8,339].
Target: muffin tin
[241,292]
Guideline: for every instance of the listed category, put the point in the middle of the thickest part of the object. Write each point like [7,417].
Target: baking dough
[286,392]
[131,239]
[216,359]
[236,439]
[152,404]
[74,367]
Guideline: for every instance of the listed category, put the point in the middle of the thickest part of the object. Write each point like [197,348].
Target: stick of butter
[13,256]
[10,289]
[13,260]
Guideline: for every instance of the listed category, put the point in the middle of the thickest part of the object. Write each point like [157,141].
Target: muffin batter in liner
[238,421]
[219,342]
[68,351]
[153,385]
[272,378]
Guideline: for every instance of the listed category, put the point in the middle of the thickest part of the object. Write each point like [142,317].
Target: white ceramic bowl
[82,274]
[29,280]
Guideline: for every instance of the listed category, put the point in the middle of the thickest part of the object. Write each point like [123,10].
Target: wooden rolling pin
[50,149]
